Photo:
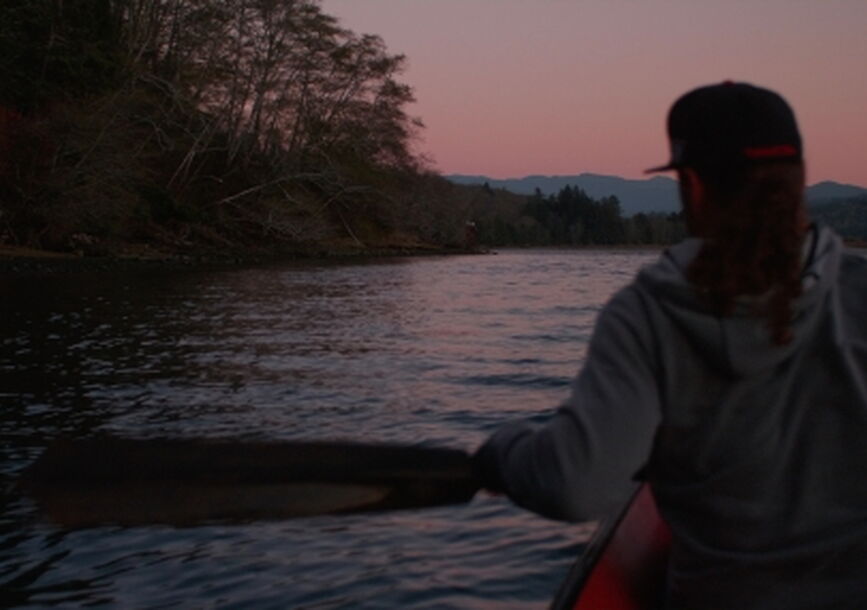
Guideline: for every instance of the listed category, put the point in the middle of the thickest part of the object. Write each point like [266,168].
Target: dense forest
[207,123]
[570,218]
[144,128]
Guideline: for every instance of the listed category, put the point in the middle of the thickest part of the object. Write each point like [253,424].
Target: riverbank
[133,257]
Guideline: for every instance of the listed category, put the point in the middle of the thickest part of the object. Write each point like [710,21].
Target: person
[730,375]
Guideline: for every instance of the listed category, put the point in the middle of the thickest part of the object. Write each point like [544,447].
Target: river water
[427,350]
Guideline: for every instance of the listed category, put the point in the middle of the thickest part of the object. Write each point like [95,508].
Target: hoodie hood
[740,343]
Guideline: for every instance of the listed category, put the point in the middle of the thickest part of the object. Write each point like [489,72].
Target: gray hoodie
[756,453]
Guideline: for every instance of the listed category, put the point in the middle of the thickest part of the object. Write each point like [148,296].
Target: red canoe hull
[623,567]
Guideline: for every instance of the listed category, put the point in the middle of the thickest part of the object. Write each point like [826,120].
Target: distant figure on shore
[471,236]
[731,375]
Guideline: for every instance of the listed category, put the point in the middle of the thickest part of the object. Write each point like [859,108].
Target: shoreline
[15,260]
[20,260]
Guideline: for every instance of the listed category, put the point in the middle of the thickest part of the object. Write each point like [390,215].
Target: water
[433,350]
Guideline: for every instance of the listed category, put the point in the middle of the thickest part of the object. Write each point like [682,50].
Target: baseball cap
[730,123]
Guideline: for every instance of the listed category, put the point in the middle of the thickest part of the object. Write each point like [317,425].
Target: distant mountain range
[657,194]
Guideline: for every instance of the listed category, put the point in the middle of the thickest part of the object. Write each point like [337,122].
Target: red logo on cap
[770,152]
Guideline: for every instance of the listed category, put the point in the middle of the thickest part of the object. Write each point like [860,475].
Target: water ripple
[434,350]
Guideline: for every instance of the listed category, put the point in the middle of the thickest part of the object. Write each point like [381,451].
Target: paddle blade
[191,482]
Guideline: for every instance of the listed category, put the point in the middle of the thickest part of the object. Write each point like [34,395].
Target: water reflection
[435,350]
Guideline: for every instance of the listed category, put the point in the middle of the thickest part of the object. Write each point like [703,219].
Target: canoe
[624,565]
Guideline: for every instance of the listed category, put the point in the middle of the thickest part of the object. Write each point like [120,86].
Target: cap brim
[662,168]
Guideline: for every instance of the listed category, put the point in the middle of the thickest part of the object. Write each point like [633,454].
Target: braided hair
[752,244]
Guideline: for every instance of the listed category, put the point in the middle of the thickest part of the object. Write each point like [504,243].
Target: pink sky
[508,88]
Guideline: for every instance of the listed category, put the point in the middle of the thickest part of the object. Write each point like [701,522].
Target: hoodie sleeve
[581,463]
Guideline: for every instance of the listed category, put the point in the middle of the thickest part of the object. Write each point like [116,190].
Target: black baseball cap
[729,124]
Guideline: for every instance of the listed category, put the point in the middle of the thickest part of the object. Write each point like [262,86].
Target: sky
[509,88]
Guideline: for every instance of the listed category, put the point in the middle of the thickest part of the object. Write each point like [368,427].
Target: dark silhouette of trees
[143,119]
[572,218]
[228,123]
[53,50]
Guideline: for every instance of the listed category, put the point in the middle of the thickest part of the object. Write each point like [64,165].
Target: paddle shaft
[194,481]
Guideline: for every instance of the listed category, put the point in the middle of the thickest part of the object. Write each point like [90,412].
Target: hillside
[828,191]
[656,194]
[847,216]
[135,130]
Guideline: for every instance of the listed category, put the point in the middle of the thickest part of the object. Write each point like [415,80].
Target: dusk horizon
[583,173]
[509,89]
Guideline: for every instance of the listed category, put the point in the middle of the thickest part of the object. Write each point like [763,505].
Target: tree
[253,113]
[52,50]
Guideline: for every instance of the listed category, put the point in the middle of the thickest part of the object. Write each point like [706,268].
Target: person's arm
[579,465]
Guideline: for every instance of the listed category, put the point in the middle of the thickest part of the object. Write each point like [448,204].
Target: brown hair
[753,243]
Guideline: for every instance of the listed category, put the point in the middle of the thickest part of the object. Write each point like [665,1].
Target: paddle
[191,482]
